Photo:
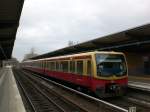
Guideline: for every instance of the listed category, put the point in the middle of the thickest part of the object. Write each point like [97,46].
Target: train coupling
[112,88]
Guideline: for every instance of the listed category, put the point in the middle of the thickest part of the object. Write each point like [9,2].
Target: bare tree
[30,54]
[71,43]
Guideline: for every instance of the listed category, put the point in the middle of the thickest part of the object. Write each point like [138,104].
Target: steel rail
[117,108]
[63,98]
[24,91]
[36,110]
[139,85]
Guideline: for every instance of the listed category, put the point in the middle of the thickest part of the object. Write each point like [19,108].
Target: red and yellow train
[104,73]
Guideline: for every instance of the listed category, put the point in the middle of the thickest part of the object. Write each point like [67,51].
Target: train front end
[111,77]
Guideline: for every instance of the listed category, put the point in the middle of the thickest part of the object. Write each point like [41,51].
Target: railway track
[42,99]
[137,97]
[134,99]
[78,99]
[37,99]
[139,86]
[131,102]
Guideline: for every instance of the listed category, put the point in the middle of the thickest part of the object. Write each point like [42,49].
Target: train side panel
[69,77]
[99,86]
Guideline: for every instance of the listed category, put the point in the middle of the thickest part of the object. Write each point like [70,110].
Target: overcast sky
[48,25]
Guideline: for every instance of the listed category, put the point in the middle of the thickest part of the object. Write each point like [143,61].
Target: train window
[48,65]
[53,66]
[57,66]
[89,70]
[72,66]
[68,66]
[40,64]
[60,67]
[37,64]
[65,66]
[80,67]
[45,64]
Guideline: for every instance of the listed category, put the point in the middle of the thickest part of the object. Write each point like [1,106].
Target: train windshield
[110,64]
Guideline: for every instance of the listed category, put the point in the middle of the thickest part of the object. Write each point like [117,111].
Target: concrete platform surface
[10,99]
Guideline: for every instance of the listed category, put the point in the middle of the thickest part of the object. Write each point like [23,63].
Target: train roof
[78,54]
